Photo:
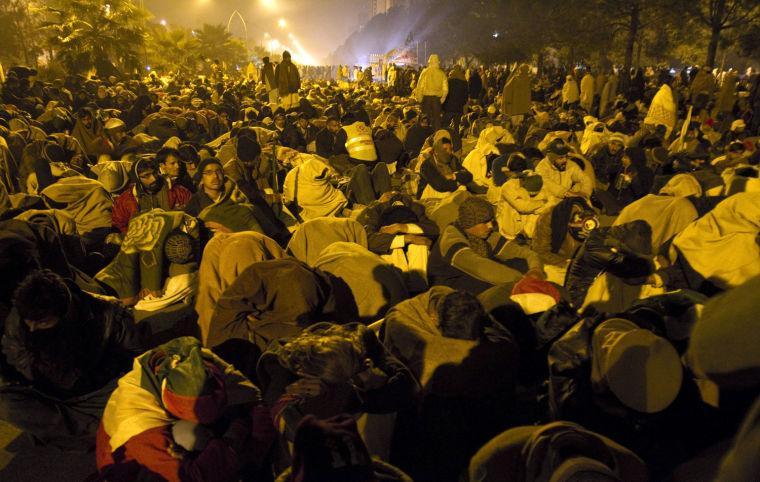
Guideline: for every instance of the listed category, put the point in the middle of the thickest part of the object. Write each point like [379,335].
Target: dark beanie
[188,153]
[248,148]
[474,210]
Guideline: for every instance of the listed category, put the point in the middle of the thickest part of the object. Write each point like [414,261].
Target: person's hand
[215,227]
[395,228]
[661,261]
[371,377]
[307,387]
[273,198]
[145,292]
[417,239]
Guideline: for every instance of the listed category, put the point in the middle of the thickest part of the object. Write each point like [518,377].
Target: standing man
[288,81]
[432,88]
[268,78]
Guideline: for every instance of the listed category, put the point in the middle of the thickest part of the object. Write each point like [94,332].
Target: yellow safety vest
[359,143]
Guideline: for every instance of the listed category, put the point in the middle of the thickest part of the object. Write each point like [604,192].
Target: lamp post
[245,27]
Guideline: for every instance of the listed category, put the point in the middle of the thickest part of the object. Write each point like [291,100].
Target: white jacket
[557,183]
[516,211]
[432,81]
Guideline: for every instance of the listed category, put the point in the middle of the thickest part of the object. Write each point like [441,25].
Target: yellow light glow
[282,23]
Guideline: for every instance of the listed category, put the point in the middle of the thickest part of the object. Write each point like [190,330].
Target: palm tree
[174,49]
[84,34]
[218,44]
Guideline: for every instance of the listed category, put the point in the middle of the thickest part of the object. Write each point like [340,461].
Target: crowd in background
[321,274]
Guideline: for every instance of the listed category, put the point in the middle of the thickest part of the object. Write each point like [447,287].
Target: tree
[721,15]
[17,32]
[216,43]
[86,33]
[175,49]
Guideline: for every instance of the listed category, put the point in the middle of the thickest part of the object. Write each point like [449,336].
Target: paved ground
[21,461]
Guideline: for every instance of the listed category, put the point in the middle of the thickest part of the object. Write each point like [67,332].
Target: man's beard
[153,188]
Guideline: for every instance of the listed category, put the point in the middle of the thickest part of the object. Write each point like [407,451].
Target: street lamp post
[245,27]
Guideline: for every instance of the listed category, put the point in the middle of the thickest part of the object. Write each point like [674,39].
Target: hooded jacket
[308,187]
[287,78]
[432,81]
[457,92]
[516,96]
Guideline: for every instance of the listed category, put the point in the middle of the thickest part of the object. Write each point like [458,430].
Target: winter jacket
[557,182]
[134,201]
[457,96]
[287,78]
[267,76]
[623,251]
[432,81]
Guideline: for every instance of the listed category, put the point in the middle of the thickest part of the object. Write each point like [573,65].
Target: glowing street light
[282,23]
[163,22]
[268,4]
[290,35]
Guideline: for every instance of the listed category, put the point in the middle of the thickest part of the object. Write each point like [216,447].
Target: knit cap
[193,389]
[205,163]
[474,210]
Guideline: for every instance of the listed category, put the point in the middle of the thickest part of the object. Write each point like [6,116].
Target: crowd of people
[478,274]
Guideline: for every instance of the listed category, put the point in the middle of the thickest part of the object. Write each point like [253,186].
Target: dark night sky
[319,25]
